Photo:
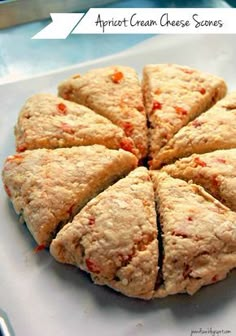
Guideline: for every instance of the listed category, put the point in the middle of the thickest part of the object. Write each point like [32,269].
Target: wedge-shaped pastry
[199,236]
[212,130]
[215,171]
[48,187]
[47,121]
[173,96]
[114,237]
[115,93]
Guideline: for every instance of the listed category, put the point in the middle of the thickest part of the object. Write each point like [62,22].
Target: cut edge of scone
[198,236]
[212,130]
[48,121]
[48,187]
[115,93]
[114,237]
[214,171]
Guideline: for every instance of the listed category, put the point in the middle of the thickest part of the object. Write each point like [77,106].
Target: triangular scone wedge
[212,130]
[47,121]
[114,237]
[48,187]
[198,236]
[115,93]
[215,171]
[175,95]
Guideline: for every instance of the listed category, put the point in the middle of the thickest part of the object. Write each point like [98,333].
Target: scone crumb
[124,282]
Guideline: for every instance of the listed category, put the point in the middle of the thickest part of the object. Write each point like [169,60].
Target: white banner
[141,21]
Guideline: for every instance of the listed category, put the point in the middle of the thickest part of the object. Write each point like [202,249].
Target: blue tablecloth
[22,57]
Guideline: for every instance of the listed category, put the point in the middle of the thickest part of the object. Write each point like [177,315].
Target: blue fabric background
[22,57]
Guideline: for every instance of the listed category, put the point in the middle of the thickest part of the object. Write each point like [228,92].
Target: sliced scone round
[114,237]
[174,95]
[212,130]
[47,121]
[198,233]
[48,187]
[115,93]
[215,171]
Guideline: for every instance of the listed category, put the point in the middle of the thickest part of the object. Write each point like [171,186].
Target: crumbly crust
[175,95]
[199,236]
[212,130]
[47,121]
[48,187]
[114,237]
[215,171]
[115,93]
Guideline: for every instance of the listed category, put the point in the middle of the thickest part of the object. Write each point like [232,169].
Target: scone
[114,237]
[47,121]
[48,187]
[175,95]
[212,130]
[215,171]
[115,93]
[198,233]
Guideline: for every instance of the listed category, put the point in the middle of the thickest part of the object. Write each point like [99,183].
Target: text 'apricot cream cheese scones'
[215,171]
[199,236]
[114,237]
[175,95]
[212,130]
[75,181]
[47,121]
[115,93]
[48,187]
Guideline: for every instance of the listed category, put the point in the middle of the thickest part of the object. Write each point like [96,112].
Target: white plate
[42,297]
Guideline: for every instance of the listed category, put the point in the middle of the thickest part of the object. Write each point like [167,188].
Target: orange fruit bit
[61,108]
[39,248]
[180,110]
[20,148]
[117,77]
[92,267]
[157,91]
[127,145]
[91,220]
[156,106]
[199,162]
[140,108]
[202,91]
[128,128]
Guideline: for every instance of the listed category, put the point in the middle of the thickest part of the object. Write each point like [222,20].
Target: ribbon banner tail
[61,26]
